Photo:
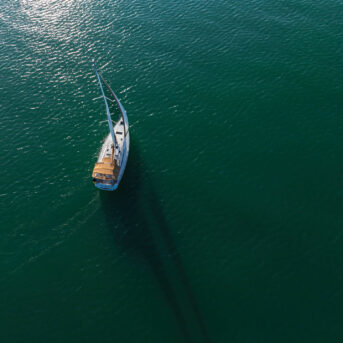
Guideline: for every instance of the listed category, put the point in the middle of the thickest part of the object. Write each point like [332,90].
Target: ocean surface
[228,223]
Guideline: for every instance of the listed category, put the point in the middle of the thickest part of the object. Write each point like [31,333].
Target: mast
[121,107]
[107,109]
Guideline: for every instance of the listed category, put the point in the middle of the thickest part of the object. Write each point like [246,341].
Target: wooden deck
[108,167]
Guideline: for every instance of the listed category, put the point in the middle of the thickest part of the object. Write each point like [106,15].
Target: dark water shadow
[128,213]
[176,259]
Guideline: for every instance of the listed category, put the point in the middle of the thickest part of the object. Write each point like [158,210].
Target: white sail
[121,107]
[109,119]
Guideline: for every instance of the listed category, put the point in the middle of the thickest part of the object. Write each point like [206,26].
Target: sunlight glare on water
[227,224]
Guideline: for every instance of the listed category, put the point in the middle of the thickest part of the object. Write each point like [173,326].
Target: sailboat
[112,159]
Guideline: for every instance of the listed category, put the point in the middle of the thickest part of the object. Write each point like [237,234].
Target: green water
[227,226]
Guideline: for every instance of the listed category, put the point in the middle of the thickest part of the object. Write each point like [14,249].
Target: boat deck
[106,169]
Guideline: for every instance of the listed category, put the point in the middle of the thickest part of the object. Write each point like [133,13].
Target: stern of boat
[105,187]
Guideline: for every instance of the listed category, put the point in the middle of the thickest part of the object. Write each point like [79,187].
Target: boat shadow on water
[135,215]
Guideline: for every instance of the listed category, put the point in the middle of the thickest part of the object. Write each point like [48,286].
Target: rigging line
[110,99]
